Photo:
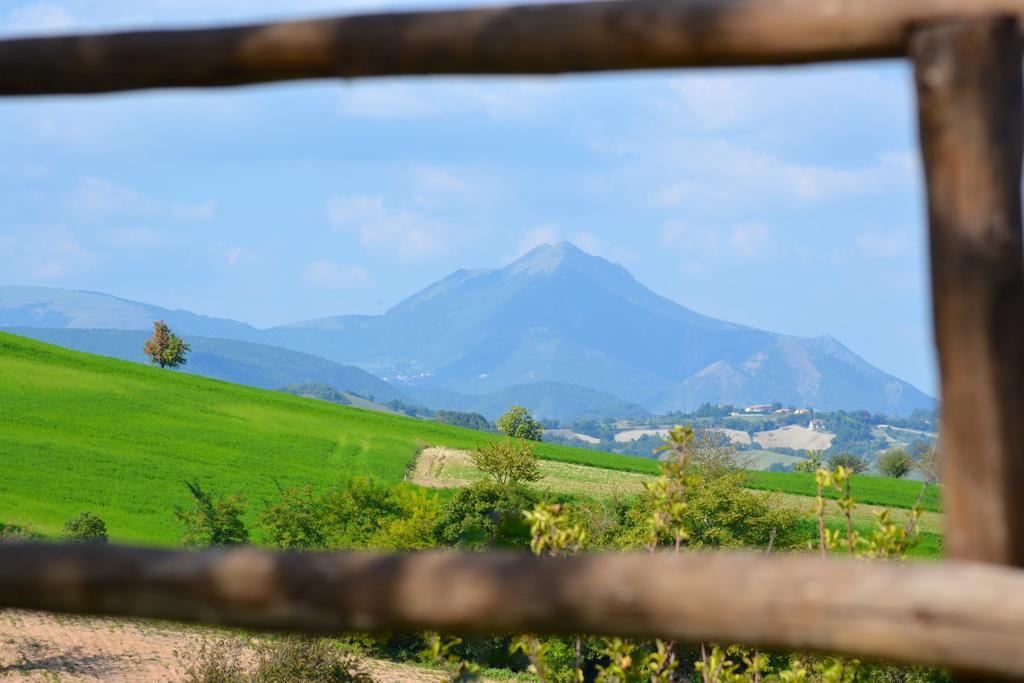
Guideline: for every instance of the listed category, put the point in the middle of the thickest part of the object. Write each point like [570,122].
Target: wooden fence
[966,613]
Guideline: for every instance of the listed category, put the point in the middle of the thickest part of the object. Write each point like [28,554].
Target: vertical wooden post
[970,110]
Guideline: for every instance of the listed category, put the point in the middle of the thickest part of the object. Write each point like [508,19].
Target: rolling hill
[83,432]
[255,365]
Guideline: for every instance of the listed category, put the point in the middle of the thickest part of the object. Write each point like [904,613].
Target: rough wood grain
[576,37]
[970,616]
[971,114]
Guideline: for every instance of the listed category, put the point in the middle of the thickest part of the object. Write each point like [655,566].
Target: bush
[86,527]
[12,533]
[212,521]
[288,660]
[487,514]
[296,520]
[415,527]
[309,660]
[356,510]
[510,461]
[518,423]
[853,463]
[895,463]
[219,661]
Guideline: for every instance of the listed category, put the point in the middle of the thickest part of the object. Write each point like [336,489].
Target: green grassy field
[81,432]
[897,493]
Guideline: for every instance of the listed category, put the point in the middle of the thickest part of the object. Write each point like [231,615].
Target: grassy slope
[81,432]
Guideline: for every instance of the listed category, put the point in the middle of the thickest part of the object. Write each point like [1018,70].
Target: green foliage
[462,419]
[487,514]
[848,461]
[415,527]
[86,527]
[509,461]
[212,520]
[518,423]
[295,521]
[811,465]
[165,348]
[441,651]
[316,390]
[895,463]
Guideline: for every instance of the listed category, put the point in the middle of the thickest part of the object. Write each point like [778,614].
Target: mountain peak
[547,258]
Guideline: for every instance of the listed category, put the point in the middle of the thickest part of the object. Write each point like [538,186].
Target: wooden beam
[971,115]
[970,616]
[535,39]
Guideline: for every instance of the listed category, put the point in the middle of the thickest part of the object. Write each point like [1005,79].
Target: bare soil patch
[37,646]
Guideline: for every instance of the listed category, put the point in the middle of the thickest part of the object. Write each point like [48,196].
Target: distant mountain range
[566,333]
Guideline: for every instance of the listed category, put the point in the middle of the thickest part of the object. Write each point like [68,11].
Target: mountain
[254,365]
[558,329]
[52,307]
[559,315]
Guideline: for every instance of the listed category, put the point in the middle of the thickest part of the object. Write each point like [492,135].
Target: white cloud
[372,100]
[720,170]
[700,244]
[100,197]
[236,255]
[136,238]
[410,234]
[714,102]
[44,254]
[38,18]
[330,275]
[882,246]
[436,180]
[511,99]
[592,244]
[542,234]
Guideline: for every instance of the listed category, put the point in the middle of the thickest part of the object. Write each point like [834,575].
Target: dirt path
[434,467]
[36,646]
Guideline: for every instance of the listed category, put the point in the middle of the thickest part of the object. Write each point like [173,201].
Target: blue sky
[787,199]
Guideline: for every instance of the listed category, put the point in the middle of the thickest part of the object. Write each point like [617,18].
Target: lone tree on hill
[165,348]
[518,423]
[510,461]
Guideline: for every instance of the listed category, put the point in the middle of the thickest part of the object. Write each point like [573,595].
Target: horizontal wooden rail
[966,616]
[537,39]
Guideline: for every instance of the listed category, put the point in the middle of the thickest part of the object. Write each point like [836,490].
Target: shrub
[510,461]
[849,461]
[212,521]
[415,528]
[487,514]
[296,520]
[518,423]
[12,533]
[218,661]
[355,510]
[309,660]
[895,463]
[86,527]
